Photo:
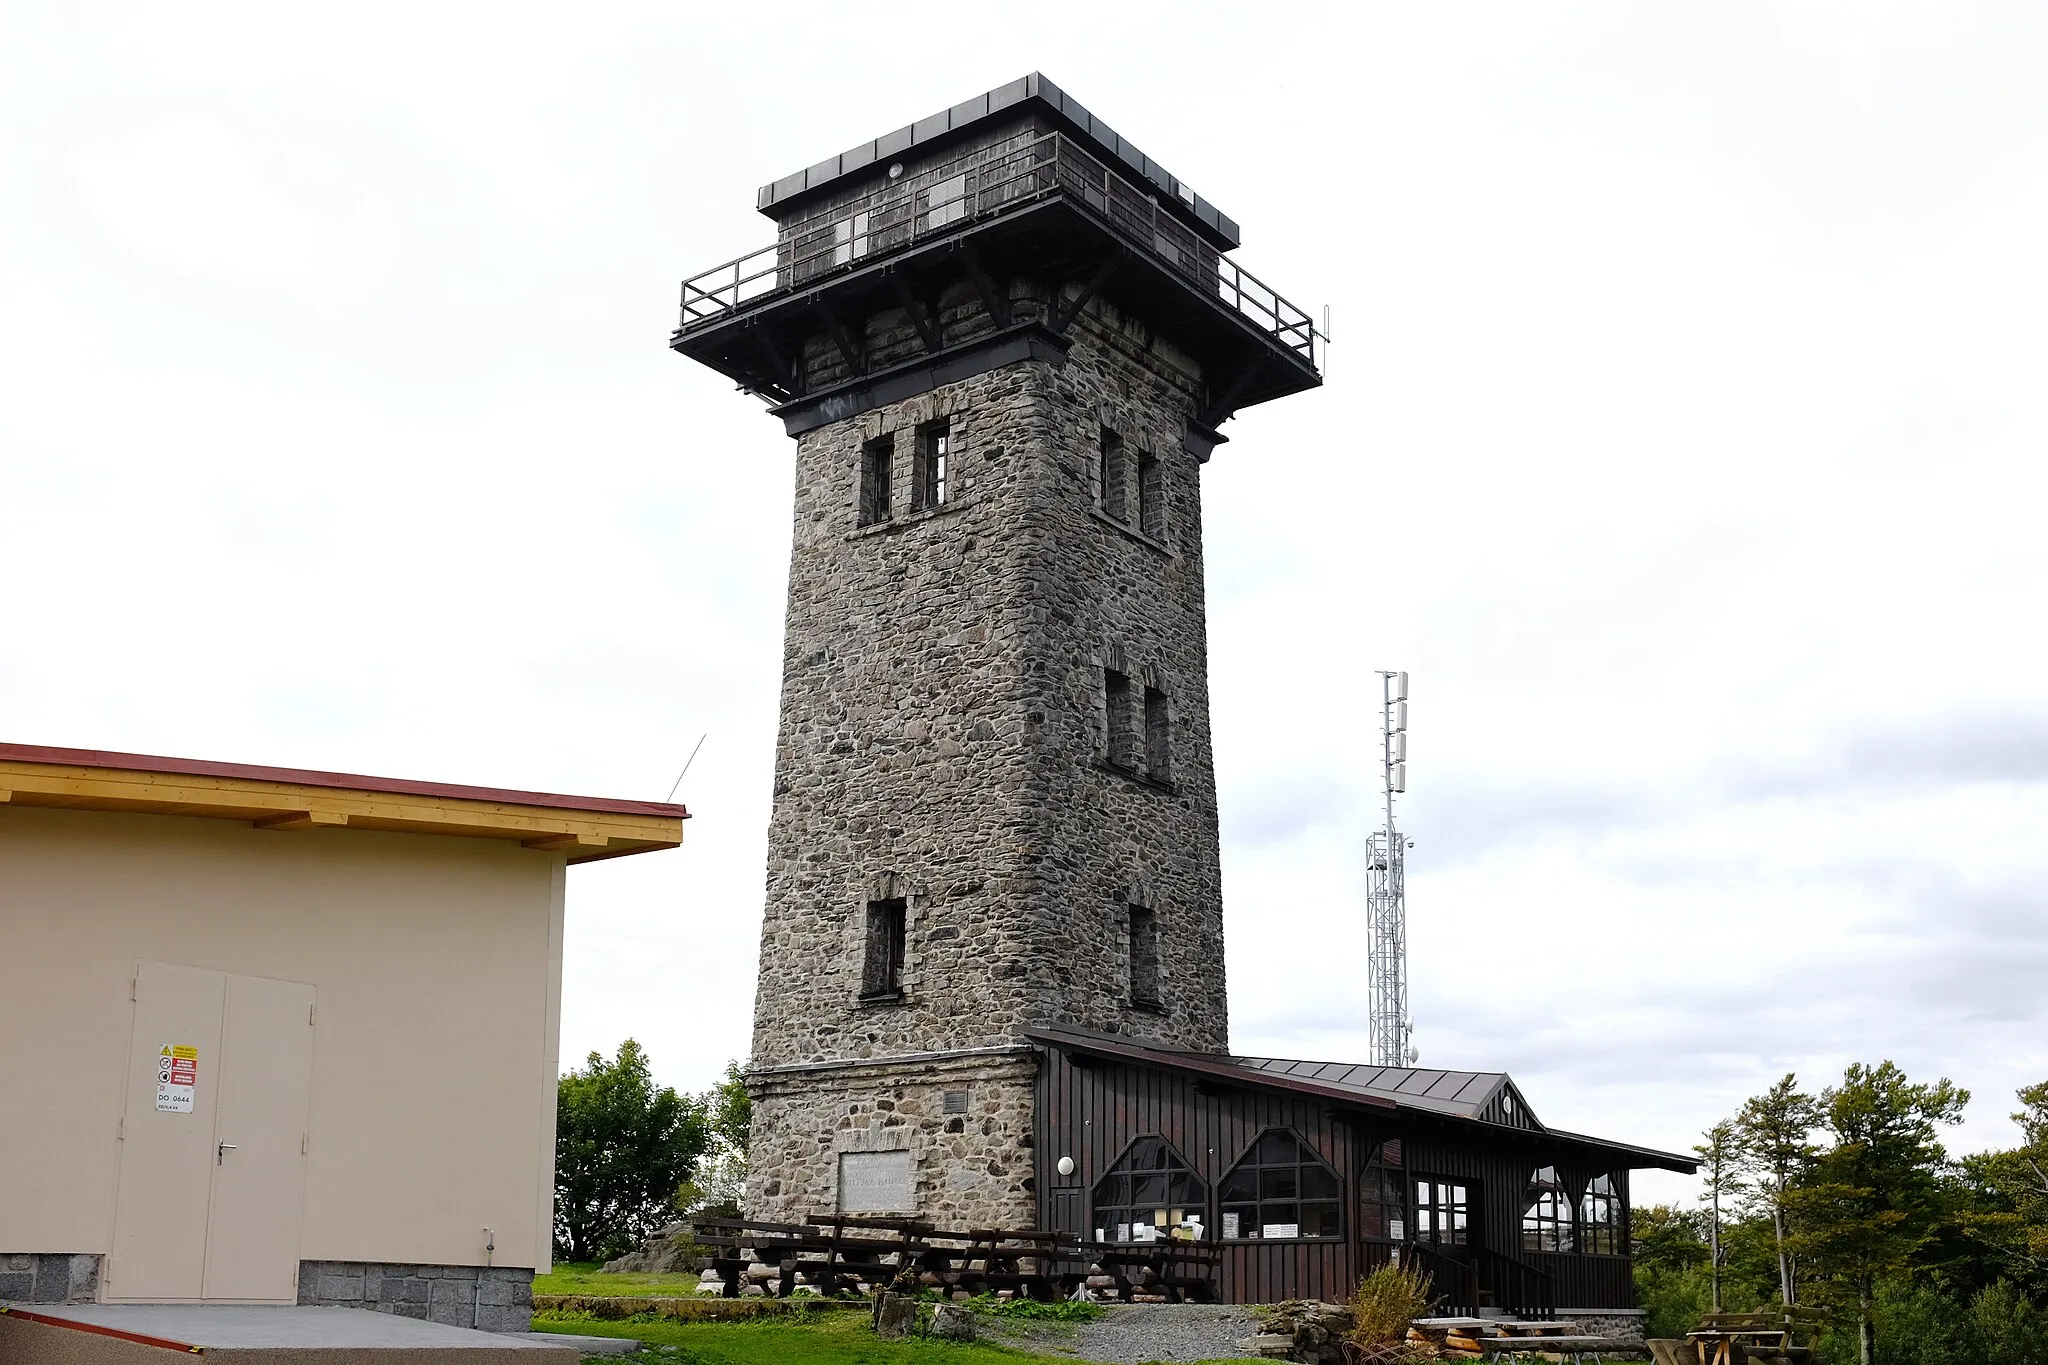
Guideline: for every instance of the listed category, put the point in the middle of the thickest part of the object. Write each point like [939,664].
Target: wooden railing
[1453,1284]
[1525,1290]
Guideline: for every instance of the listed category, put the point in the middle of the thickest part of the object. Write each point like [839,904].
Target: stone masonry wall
[943,728]
[944,740]
[491,1298]
[49,1277]
[973,1170]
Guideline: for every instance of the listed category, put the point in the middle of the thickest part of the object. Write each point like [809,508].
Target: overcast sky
[1682,439]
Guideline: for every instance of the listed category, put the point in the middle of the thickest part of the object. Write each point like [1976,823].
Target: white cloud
[190,193]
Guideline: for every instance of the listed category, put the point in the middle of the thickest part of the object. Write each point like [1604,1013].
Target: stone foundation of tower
[963,1123]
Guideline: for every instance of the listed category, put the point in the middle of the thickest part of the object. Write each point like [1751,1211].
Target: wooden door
[166,1180]
[252,1241]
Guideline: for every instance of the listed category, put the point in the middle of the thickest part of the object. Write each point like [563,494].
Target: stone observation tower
[1004,340]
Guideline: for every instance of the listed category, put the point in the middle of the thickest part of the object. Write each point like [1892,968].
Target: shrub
[1383,1305]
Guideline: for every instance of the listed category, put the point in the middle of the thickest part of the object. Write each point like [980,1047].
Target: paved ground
[1134,1333]
[228,1327]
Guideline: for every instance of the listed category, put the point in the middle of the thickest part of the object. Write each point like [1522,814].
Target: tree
[1717,1168]
[1874,1198]
[720,1182]
[1774,1133]
[730,1108]
[2012,1195]
[623,1148]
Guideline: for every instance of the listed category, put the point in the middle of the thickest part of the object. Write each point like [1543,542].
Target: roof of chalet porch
[1490,1098]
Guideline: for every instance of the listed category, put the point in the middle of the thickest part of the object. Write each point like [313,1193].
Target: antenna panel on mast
[1390,1030]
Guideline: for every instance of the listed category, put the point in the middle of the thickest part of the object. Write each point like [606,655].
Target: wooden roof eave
[582,834]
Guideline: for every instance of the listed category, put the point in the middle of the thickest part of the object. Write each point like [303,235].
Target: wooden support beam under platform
[922,316]
[788,372]
[995,300]
[843,337]
[1068,312]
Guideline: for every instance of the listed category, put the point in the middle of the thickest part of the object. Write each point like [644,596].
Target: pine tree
[1874,1198]
[1774,1145]
[1717,1156]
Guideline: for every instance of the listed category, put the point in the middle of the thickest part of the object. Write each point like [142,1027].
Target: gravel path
[1134,1333]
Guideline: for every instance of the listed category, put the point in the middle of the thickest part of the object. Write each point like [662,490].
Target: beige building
[274,1036]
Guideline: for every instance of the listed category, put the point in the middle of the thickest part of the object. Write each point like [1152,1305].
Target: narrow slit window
[1116,699]
[934,458]
[1144,935]
[1114,497]
[877,465]
[1158,737]
[1151,497]
[881,975]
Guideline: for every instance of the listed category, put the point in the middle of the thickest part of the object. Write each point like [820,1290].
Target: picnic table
[1176,1268]
[1734,1338]
[1500,1336]
[832,1253]
[1780,1336]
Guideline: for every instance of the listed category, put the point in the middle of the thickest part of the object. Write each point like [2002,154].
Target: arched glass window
[1546,1212]
[1383,1194]
[1150,1193]
[1281,1189]
[1601,1229]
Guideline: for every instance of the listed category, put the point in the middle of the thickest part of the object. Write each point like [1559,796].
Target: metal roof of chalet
[1465,1094]
[776,198]
[1469,1096]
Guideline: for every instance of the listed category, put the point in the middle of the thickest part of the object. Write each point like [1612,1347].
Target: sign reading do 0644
[177,1077]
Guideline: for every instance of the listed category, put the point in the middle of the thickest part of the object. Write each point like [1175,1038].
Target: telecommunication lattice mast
[1391,1034]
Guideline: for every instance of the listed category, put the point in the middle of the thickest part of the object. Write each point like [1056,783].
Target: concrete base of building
[488,1298]
[49,1277]
[139,1334]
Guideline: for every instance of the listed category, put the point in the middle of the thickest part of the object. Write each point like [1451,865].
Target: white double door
[213,1142]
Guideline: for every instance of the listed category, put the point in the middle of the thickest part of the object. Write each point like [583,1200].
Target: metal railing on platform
[975,186]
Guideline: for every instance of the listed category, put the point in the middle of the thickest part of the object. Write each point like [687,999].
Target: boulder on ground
[953,1322]
[895,1316]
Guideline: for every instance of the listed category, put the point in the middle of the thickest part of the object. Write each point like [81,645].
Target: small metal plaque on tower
[876,1182]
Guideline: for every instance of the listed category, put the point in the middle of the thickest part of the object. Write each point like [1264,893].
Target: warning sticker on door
[177,1075]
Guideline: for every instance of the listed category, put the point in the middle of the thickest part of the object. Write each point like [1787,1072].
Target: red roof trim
[306,777]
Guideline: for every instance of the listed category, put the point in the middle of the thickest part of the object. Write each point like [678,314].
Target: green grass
[830,1339]
[588,1277]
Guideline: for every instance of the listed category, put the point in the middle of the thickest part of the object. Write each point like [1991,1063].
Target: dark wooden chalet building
[1310,1174]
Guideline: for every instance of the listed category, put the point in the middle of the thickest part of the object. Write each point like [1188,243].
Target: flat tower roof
[948,125]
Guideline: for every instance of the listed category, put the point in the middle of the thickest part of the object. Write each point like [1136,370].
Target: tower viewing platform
[973,239]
